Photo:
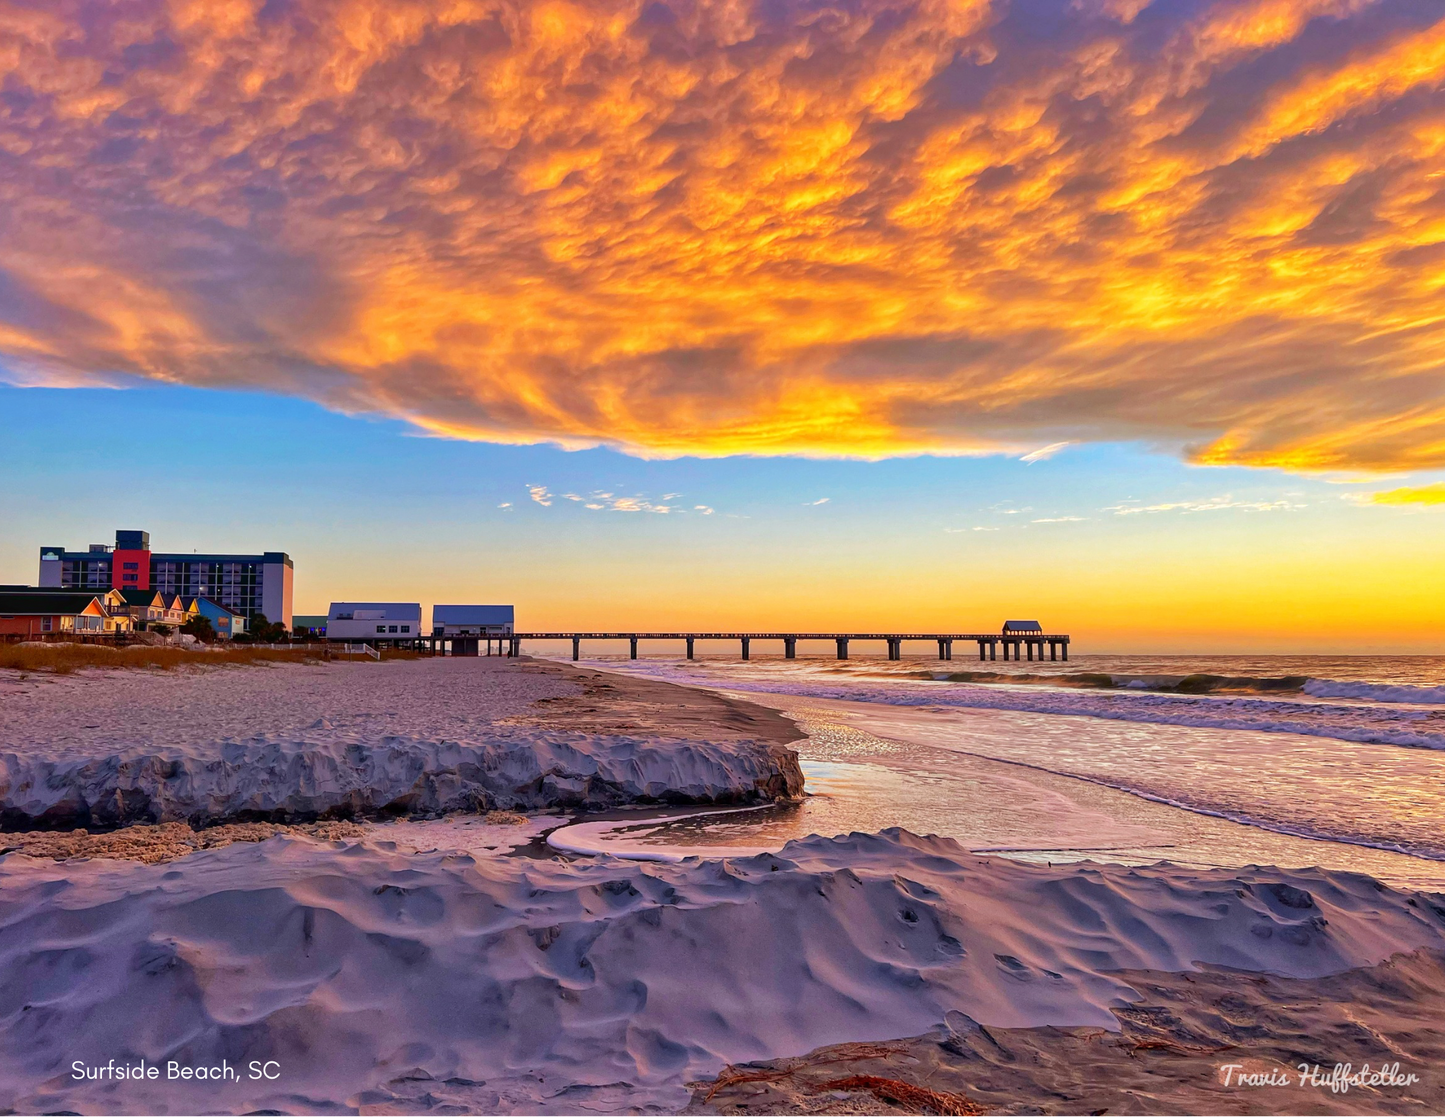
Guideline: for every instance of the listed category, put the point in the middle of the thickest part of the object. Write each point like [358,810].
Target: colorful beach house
[38,614]
[148,608]
[225,623]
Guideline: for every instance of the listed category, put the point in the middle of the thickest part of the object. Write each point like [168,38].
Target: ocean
[1336,761]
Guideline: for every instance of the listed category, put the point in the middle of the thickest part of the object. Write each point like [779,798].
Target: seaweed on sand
[916,1099]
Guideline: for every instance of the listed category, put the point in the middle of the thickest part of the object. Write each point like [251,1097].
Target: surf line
[1153,797]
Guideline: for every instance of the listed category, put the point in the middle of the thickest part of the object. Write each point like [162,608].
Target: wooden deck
[1015,645]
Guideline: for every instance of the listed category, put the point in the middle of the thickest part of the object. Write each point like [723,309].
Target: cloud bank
[865,227]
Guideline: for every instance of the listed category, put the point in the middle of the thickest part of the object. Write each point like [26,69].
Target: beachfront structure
[36,614]
[472,620]
[1022,628]
[464,627]
[372,622]
[1014,644]
[151,607]
[247,585]
[224,623]
[309,626]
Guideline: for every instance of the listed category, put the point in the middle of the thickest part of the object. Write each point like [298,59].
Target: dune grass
[62,659]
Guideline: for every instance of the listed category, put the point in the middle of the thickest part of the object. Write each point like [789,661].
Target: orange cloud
[722,226]
[1425,494]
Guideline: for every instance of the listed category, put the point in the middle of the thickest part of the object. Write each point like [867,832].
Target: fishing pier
[1016,646]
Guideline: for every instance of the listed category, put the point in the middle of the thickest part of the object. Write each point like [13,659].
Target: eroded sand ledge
[294,744]
[405,982]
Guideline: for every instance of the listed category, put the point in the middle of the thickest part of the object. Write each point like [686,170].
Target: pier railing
[1015,645]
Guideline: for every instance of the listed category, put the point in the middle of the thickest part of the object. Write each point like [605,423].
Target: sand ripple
[395,981]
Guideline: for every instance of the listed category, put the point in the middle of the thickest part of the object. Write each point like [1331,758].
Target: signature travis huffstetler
[1340,1080]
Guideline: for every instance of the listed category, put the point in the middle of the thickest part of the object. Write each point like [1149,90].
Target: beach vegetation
[201,628]
[63,658]
[262,631]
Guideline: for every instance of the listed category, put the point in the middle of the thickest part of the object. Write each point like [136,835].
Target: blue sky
[369,509]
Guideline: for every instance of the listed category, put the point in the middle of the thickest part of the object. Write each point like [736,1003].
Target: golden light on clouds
[1423,494]
[864,228]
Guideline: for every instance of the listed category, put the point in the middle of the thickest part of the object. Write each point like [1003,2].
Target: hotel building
[244,584]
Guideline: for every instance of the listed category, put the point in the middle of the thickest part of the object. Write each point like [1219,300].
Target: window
[406,628]
[381,628]
[45,623]
[392,628]
[130,577]
[130,566]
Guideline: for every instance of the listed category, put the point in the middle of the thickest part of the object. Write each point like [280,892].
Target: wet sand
[879,766]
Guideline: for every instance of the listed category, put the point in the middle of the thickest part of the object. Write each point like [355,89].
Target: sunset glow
[863,230]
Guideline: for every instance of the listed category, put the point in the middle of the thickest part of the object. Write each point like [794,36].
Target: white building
[373,621]
[472,620]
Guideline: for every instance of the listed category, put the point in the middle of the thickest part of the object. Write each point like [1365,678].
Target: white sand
[293,743]
[399,981]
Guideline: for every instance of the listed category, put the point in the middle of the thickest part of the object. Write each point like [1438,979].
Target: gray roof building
[472,620]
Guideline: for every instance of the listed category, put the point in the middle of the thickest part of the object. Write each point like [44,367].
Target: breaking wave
[1380,724]
[1201,683]
[1375,692]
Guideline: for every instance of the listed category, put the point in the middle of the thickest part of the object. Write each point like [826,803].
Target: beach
[401,738]
[495,885]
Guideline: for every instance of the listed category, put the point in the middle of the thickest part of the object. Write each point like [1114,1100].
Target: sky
[1122,547]
[756,313]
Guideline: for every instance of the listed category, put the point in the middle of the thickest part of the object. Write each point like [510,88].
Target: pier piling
[1015,647]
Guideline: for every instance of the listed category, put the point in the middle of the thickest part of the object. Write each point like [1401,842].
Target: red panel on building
[130,570]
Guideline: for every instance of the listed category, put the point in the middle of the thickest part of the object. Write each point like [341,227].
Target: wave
[1198,683]
[1367,725]
[1201,684]
[1375,692]
[1317,833]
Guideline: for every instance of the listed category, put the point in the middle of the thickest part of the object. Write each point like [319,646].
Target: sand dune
[297,743]
[407,981]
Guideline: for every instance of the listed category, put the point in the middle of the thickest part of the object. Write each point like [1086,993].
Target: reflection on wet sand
[860,781]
